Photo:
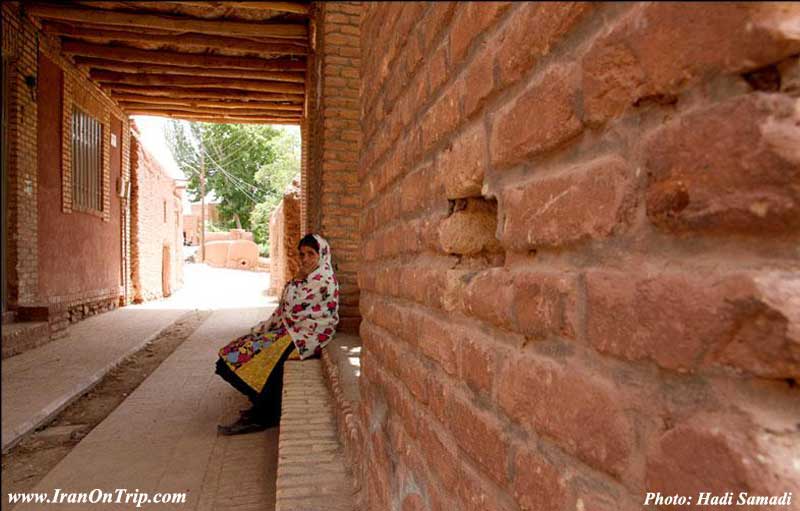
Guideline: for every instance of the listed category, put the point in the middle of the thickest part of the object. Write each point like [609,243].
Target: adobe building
[566,233]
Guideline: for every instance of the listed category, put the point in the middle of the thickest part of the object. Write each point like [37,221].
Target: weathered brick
[480,435]
[580,412]
[490,297]
[538,120]
[745,181]
[519,47]
[732,458]
[463,163]
[589,201]
[473,20]
[683,321]
[537,484]
[545,305]
[661,49]
[470,230]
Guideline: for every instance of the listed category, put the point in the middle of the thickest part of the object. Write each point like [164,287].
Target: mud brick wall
[284,236]
[331,189]
[579,277]
[153,192]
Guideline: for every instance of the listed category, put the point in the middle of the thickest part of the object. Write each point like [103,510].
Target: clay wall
[284,236]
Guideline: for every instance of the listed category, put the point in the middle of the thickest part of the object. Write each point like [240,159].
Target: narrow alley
[531,255]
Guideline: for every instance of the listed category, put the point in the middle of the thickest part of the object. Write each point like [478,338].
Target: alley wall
[579,274]
[59,257]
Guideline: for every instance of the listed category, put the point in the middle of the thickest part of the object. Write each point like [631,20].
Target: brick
[436,341]
[537,483]
[663,48]
[519,47]
[479,79]
[746,181]
[441,119]
[591,201]
[479,357]
[474,19]
[545,305]
[480,435]
[540,119]
[490,296]
[682,321]
[731,459]
[580,412]
[462,165]
[470,230]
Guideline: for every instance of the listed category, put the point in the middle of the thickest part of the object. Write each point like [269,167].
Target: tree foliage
[247,167]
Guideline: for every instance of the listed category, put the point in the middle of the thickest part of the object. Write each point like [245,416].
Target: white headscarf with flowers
[309,309]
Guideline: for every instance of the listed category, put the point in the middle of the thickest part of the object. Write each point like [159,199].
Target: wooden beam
[260,112]
[172,23]
[200,82]
[126,54]
[181,92]
[293,7]
[140,68]
[177,40]
[189,102]
[217,119]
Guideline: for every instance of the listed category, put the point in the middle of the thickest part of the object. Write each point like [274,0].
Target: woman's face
[309,259]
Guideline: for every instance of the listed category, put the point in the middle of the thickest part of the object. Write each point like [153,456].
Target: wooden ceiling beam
[172,23]
[141,68]
[184,40]
[189,102]
[210,111]
[126,54]
[293,7]
[201,82]
[181,92]
[217,119]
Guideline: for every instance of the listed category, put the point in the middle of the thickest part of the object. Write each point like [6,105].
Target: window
[87,161]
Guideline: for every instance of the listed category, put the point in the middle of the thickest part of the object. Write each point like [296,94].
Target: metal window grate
[87,161]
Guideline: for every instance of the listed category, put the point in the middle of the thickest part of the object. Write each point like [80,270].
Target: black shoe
[241,427]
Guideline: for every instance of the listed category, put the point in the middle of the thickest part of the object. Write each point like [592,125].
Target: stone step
[21,336]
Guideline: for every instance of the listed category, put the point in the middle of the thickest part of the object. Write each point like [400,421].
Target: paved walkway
[163,438]
[39,383]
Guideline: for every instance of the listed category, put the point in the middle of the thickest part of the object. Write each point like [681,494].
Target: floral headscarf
[309,309]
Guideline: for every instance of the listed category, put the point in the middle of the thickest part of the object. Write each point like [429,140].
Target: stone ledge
[312,470]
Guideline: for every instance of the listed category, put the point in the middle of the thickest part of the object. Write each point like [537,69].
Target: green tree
[247,167]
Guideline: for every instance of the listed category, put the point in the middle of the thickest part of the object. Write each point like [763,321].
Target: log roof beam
[172,23]
[253,112]
[140,100]
[125,54]
[141,68]
[196,41]
[181,92]
[292,7]
[220,119]
[200,82]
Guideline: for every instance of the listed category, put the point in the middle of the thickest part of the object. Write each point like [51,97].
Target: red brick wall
[331,189]
[151,229]
[284,236]
[579,277]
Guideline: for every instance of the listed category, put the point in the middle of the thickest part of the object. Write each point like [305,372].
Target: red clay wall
[41,220]
[151,229]
[579,277]
[78,253]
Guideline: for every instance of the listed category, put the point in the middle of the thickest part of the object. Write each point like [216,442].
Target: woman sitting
[300,327]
